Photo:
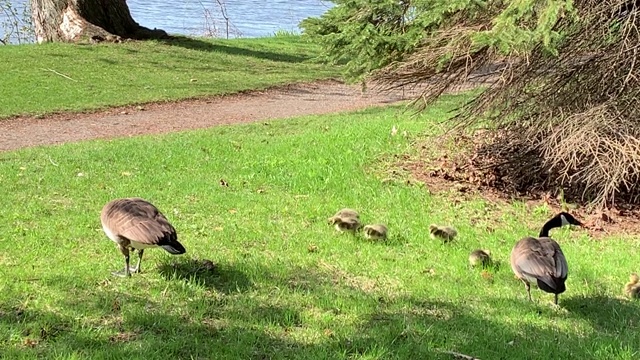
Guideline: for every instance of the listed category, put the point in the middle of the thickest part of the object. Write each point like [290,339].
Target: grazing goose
[444,233]
[136,224]
[480,257]
[541,261]
[632,288]
[375,232]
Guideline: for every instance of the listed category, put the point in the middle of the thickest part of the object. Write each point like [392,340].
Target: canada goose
[444,233]
[375,232]
[632,288]
[136,224]
[480,257]
[345,223]
[540,260]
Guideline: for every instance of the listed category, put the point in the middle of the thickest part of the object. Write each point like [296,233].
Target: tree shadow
[429,328]
[607,314]
[146,334]
[201,45]
[99,322]
[221,277]
[309,279]
[276,315]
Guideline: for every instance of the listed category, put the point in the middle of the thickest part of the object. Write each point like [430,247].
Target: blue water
[247,18]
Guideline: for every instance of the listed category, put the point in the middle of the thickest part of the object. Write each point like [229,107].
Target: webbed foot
[121,273]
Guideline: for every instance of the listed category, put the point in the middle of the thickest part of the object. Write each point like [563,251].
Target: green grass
[270,296]
[121,74]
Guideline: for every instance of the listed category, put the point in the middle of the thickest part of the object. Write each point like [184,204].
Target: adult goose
[541,261]
[136,224]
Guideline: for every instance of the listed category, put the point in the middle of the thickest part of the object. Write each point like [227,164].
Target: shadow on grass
[200,45]
[280,321]
[606,314]
[434,326]
[223,278]
[143,335]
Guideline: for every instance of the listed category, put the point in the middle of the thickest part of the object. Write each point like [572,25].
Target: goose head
[559,220]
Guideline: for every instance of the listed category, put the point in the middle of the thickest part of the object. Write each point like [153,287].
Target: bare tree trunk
[78,20]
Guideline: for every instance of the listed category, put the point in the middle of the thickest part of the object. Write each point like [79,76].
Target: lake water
[247,18]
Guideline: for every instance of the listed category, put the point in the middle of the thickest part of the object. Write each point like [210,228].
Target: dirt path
[287,101]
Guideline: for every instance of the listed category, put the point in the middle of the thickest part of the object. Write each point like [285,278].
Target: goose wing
[552,249]
[543,260]
[138,220]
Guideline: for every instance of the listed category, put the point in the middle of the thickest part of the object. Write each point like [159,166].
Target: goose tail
[174,248]
[554,286]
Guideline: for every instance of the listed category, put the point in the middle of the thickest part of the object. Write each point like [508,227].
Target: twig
[223,11]
[57,73]
[3,42]
[51,161]
[459,355]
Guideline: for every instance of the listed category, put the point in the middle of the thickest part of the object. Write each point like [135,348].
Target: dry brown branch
[568,122]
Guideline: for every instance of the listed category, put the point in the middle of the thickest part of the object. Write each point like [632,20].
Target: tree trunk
[81,20]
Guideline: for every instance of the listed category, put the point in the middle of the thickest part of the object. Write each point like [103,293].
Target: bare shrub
[566,122]
[15,23]
[217,22]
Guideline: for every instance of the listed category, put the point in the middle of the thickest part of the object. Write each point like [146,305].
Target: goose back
[347,213]
[540,260]
[139,223]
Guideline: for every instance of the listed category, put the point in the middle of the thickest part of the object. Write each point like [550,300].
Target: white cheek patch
[564,220]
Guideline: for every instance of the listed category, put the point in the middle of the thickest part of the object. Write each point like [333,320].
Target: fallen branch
[57,73]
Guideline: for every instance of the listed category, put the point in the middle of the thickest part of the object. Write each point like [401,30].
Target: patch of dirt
[462,175]
[314,98]
[321,97]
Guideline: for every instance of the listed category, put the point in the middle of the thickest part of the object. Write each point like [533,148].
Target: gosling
[444,233]
[632,288]
[136,224]
[346,220]
[480,258]
[345,224]
[375,232]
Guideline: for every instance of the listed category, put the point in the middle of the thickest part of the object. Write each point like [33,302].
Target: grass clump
[286,284]
[39,79]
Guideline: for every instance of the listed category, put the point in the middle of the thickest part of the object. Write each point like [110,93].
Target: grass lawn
[39,79]
[270,296]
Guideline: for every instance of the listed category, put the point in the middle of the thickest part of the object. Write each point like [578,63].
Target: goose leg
[556,299]
[528,287]
[125,272]
[137,268]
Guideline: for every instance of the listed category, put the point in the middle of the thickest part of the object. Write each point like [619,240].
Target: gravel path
[320,97]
